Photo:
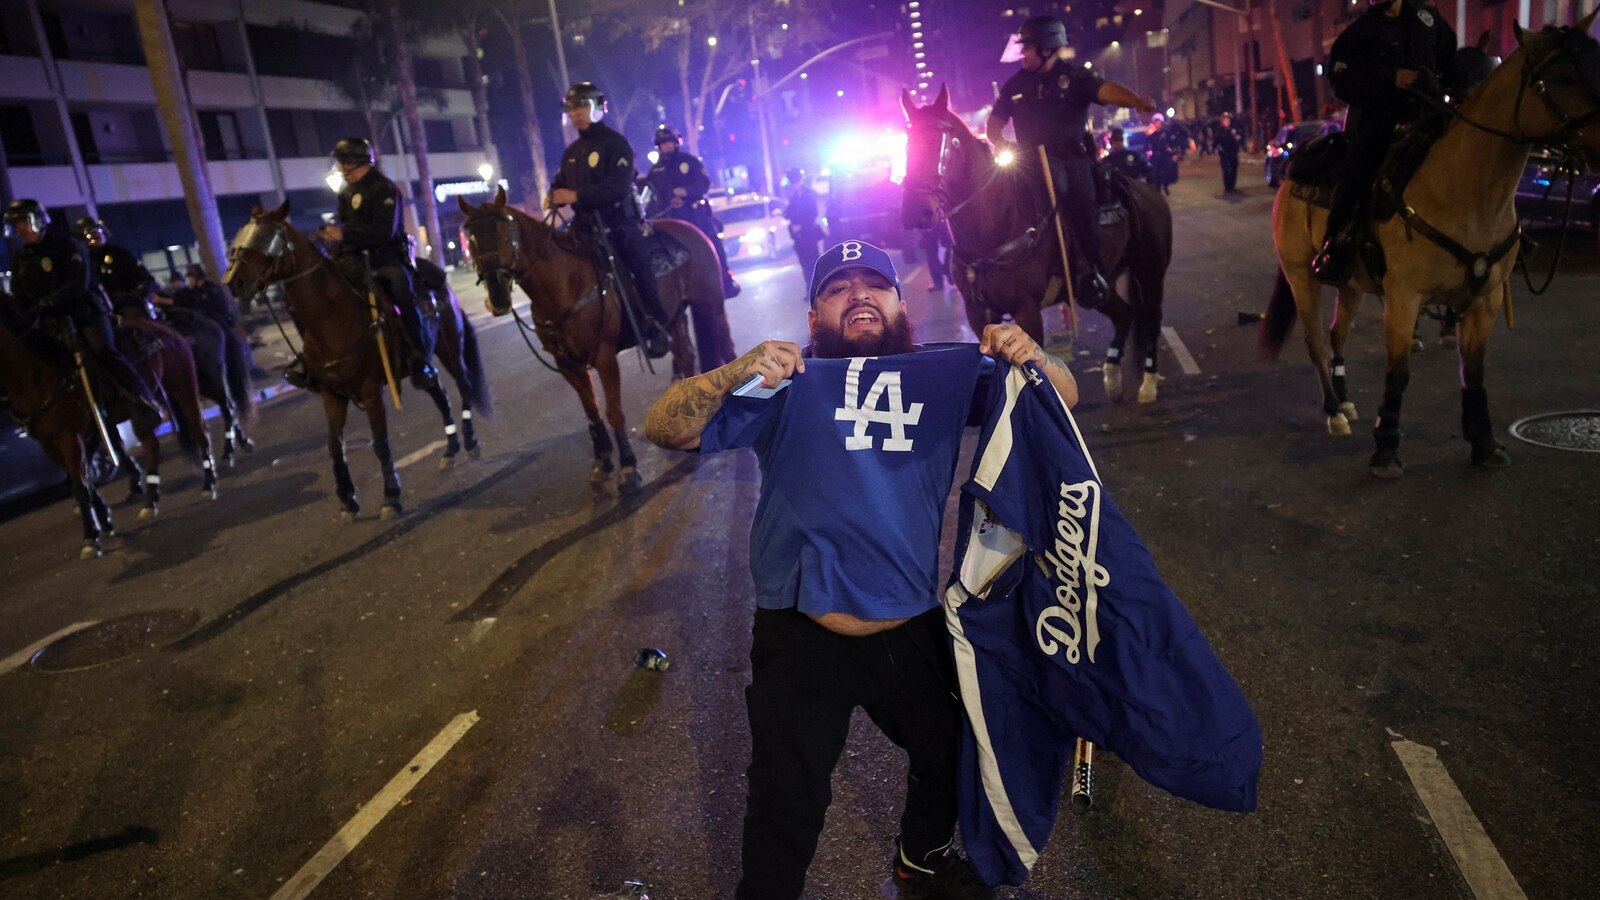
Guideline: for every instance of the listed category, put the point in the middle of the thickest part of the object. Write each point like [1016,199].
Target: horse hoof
[1495,457]
[1338,425]
[474,452]
[229,460]
[389,511]
[1417,345]
[446,463]
[1348,410]
[629,482]
[1111,375]
[213,492]
[90,551]
[598,474]
[248,445]
[1147,390]
[346,516]
[1388,471]
[149,512]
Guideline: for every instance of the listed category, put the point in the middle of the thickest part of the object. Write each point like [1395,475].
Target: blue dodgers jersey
[1062,627]
[857,459]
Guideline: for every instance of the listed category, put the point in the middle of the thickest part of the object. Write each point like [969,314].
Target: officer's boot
[423,376]
[1336,264]
[651,320]
[298,375]
[129,384]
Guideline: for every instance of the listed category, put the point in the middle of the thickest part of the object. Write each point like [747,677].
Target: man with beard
[845,565]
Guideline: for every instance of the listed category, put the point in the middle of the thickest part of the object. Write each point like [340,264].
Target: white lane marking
[419,455]
[335,850]
[1480,863]
[1185,360]
[20,658]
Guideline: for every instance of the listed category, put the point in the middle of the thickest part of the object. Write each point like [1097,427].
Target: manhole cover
[113,639]
[1577,430]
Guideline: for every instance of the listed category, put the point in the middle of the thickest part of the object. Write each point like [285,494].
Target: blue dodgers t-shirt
[857,459]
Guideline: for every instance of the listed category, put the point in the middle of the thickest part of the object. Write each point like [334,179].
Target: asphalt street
[446,704]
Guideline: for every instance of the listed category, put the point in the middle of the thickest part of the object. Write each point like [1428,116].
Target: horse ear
[466,208]
[1517,31]
[1587,22]
[282,212]
[942,102]
[499,200]
[256,211]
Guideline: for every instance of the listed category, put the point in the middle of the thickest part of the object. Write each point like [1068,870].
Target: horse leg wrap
[1113,354]
[391,477]
[1336,368]
[1150,363]
[601,441]
[1475,424]
[625,449]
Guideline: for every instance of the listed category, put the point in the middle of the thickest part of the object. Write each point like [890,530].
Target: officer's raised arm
[676,420]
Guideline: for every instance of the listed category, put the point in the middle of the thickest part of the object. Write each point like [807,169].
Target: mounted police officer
[51,280]
[125,279]
[1123,160]
[596,180]
[1048,103]
[371,231]
[1394,48]
[805,221]
[678,185]
[200,296]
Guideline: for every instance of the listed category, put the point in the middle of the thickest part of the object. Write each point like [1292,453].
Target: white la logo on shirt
[885,392]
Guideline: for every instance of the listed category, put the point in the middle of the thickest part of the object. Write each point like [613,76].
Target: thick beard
[898,336]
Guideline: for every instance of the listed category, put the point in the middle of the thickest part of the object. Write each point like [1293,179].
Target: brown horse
[1006,258]
[341,347]
[580,324]
[1454,242]
[47,398]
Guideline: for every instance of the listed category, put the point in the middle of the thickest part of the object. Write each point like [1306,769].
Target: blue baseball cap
[848,255]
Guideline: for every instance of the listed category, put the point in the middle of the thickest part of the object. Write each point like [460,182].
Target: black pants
[936,246]
[394,279]
[1230,170]
[96,332]
[806,682]
[1369,143]
[629,243]
[699,215]
[1079,208]
[807,249]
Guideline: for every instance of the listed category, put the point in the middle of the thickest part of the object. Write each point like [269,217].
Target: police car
[1542,195]
[24,467]
[753,228]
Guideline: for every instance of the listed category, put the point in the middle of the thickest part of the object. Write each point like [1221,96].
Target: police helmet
[353,151]
[1044,32]
[665,134]
[582,94]
[26,210]
[795,175]
[91,230]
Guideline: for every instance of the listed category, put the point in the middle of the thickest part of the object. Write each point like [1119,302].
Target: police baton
[383,344]
[1061,237]
[94,407]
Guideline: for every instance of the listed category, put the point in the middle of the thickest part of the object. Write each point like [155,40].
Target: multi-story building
[79,130]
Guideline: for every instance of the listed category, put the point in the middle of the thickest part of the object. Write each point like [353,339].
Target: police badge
[355,201]
[1426,17]
[683,168]
[1064,81]
[594,158]
[46,264]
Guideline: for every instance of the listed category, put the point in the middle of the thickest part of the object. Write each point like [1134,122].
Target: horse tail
[181,383]
[237,352]
[482,400]
[1279,320]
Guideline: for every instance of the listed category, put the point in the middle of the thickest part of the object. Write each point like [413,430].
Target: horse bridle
[1569,43]
[276,242]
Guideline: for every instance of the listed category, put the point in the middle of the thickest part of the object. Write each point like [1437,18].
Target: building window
[197,46]
[220,132]
[441,135]
[21,140]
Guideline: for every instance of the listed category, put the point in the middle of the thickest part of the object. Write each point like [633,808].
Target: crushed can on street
[652,659]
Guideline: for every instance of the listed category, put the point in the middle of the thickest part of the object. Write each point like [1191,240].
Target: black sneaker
[946,876]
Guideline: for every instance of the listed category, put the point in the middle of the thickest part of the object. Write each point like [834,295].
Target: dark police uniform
[1051,109]
[1362,66]
[125,279]
[51,278]
[1127,162]
[680,169]
[1164,152]
[598,166]
[805,226]
[208,299]
[370,214]
[1228,139]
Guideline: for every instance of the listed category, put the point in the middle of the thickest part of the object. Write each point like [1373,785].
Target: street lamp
[485,172]
[334,181]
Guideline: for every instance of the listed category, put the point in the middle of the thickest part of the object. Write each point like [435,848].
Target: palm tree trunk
[177,120]
[434,246]
[691,121]
[530,122]
[480,101]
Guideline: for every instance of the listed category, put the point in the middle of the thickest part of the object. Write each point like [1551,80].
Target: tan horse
[580,325]
[1454,244]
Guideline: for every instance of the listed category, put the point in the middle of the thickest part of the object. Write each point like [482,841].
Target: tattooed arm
[678,417]
[1012,344]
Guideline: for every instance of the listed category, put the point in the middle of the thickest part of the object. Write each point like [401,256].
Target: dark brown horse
[580,325]
[341,347]
[47,397]
[1007,261]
